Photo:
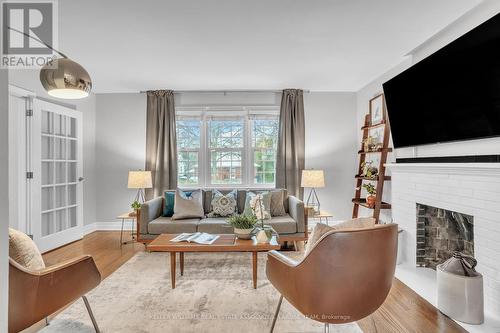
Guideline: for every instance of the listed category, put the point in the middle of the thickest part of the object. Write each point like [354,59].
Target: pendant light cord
[40,41]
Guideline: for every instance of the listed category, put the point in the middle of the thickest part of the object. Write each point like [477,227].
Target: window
[188,150]
[264,144]
[227,148]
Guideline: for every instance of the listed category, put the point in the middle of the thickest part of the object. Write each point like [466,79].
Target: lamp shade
[313,178]
[139,179]
[64,78]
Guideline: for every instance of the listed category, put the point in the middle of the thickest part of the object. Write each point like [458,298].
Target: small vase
[264,235]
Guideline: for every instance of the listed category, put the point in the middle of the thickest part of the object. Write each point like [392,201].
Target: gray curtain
[291,142]
[161,143]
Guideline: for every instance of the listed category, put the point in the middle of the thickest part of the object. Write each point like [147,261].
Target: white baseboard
[98,226]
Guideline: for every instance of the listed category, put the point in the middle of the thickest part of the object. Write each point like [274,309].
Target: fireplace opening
[441,232]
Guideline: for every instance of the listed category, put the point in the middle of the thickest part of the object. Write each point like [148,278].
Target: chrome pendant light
[63,77]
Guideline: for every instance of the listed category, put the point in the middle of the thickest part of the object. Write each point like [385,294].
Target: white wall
[121,142]
[29,80]
[4,199]
[120,147]
[331,137]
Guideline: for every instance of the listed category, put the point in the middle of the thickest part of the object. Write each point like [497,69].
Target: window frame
[248,115]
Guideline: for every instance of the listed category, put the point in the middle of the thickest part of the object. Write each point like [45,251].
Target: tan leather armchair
[345,277]
[34,295]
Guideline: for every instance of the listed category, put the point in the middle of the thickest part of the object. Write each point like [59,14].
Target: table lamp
[140,180]
[313,179]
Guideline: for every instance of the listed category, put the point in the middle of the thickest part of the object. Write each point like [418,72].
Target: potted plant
[243,225]
[135,206]
[369,171]
[265,232]
[371,198]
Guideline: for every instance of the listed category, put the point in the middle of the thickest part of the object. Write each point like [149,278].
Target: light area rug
[214,295]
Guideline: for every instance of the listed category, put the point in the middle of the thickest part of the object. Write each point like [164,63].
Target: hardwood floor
[403,310]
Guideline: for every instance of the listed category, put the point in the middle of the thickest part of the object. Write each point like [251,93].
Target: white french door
[56,163]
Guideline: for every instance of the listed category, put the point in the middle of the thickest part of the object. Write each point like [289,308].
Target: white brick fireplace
[469,188]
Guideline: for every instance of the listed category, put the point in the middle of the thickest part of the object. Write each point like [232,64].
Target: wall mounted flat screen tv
[452,95]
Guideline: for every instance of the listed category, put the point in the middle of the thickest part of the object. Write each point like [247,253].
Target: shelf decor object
[375,121]
[140,180]
[313,179]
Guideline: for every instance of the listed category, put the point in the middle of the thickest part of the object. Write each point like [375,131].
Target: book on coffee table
[197,237]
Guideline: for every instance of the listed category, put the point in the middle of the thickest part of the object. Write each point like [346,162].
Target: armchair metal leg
[327,328]
[89,310]
[276,314]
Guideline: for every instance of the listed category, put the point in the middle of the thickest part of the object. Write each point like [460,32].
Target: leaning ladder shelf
[380,178]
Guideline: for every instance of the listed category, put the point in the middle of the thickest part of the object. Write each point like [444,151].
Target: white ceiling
[336,45]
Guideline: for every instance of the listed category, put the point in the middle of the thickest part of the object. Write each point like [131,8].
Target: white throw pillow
[188,207]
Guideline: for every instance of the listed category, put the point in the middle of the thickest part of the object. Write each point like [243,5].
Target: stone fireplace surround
[469,188]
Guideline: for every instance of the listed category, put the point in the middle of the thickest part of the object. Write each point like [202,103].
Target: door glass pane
[59,124]
[47,148]
[72,127]
[71,195]
[71,153]
[60,196]
[71,172]
[47,173]
[46,122]
[60,220]
[60,172]
[47,198]
[72,217]
[47,223]
[60,149]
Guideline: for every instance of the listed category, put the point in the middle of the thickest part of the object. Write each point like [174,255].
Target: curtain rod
[225,91]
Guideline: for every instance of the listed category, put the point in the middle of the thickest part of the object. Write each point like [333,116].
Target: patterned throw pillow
[266,203]
[223,205]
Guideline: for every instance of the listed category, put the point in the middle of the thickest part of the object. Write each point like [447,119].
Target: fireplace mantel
[483,169]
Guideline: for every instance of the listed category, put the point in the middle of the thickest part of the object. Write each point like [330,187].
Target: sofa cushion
[283,224]
[188,207]
[266,204]
[215,225]
[277,203]
[223,205]
[23,250]
[165,225]
[168,207]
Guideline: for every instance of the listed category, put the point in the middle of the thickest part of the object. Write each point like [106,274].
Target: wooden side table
[127,217]
[322,216]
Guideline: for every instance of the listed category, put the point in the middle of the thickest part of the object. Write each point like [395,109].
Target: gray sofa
[292,226]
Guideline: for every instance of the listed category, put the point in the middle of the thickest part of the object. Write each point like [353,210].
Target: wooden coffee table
[225,243]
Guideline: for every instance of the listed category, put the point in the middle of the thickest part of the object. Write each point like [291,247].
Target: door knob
[80,179]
